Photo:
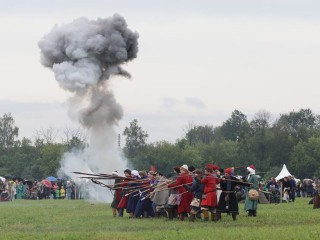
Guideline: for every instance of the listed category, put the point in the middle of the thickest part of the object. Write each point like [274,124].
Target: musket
[136,181]
[100,183]
[168,188]
[108,186]
[239,167]
[161,188]
[264,192]
[103,175]
[92,174]
[126,188]
[154,186]
[147,189]
[226,179]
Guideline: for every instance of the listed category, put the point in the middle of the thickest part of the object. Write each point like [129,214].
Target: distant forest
[292,139]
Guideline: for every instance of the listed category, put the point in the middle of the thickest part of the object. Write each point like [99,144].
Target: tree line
[292,139]
[34,159]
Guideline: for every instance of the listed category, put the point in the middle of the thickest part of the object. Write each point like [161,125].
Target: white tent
[284,173]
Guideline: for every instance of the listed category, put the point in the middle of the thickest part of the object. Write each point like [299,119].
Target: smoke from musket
[83,55]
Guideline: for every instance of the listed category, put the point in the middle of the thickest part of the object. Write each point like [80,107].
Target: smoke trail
[83,55]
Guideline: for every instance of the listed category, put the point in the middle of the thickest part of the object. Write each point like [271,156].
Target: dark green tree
[305,158]
[236,128]
[259,139]
[136,139]
[299,125]
[199,134]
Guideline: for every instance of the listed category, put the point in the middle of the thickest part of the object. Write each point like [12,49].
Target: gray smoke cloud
[84,55]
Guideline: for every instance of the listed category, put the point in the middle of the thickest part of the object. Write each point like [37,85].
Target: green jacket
[251,204]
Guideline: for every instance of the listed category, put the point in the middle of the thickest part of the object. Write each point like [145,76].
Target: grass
[62,219]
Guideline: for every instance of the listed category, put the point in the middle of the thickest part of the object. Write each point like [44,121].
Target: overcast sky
[198,61]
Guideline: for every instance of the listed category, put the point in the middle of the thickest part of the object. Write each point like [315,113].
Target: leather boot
[234,216]
[120,214]
[163,214]
[205,215]
[213,217]
[170,213]
[250,213]
[114,212]
[192,217]
[181,216]
[218,216]
[175,212]
[254,213]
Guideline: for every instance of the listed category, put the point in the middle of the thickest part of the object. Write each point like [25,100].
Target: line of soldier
[192,193]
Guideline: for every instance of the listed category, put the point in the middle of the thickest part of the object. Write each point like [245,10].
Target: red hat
[228,170]
[253,167]
[215,167]
[209,165]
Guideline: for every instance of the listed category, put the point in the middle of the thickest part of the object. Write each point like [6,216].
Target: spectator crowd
[17,188]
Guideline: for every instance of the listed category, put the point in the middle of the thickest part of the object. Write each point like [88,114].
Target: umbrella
[52,179]
[8,176]
[47,183]
[27,182]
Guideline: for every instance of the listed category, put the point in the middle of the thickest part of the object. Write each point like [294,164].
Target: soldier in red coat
[185,197]
[124,199]
[116,194]
[209,198]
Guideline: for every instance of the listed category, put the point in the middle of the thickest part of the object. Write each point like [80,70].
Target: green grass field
[62,219]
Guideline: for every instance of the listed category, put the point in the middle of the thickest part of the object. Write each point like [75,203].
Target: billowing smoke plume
[83,55]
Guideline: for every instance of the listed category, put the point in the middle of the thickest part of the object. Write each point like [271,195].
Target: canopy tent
[284,173]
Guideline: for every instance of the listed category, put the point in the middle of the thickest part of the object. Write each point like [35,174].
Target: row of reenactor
[190,193]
